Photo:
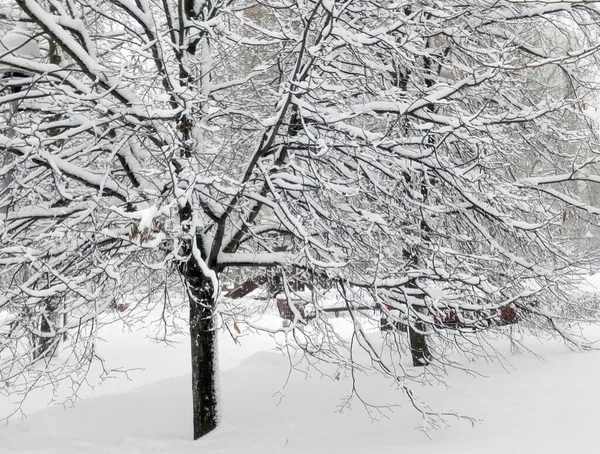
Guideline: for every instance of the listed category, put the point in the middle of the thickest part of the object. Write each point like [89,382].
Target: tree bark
[417,339]
[204,349]
[46,346]
[418,344]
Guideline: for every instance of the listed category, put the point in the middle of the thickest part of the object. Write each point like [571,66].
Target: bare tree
[370,150]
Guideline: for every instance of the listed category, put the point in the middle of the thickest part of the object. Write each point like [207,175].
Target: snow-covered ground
[529,405]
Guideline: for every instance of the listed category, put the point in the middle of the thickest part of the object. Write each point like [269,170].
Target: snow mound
[536,407]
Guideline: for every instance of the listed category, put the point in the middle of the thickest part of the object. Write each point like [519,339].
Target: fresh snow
[525,404]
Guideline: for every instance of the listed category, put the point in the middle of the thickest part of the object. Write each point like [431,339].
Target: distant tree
[372,150]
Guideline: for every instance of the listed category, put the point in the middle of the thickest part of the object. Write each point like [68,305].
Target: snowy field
[524,404]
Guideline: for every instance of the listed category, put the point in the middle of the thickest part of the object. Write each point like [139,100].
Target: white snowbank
[536,406]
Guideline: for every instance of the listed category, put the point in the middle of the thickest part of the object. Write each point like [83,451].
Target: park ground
[542,400]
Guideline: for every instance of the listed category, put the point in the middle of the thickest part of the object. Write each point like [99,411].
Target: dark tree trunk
[204,343]
[46,346]
[416,330]
[418,344]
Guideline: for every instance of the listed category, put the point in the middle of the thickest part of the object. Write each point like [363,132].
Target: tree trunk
[418,344]
[46,346]
[203,336]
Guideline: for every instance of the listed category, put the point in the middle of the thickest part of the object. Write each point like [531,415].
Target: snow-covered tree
[366,149]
